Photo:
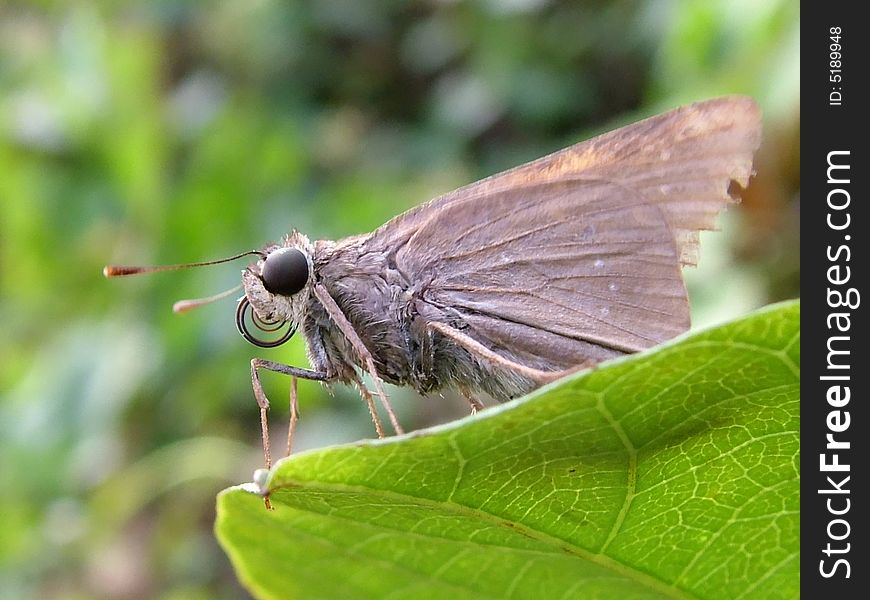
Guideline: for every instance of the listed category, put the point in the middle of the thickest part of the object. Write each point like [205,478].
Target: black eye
[285,271]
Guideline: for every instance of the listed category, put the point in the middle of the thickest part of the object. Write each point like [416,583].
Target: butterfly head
[277,289]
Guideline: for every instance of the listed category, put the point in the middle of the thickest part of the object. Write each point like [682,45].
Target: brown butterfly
[513,281]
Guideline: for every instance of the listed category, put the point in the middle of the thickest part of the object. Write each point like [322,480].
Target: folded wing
[577,256]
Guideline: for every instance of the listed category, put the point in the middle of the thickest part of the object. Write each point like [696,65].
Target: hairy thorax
[390,314]
[376,301]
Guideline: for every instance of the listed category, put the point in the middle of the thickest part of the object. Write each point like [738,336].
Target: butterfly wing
[576,256]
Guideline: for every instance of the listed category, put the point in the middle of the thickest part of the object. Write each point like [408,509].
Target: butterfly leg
[481,351]
[476,405]
[370,403]
[294,414]
[365,356]
[263,402]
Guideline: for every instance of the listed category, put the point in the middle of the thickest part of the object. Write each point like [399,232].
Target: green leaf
[673,474]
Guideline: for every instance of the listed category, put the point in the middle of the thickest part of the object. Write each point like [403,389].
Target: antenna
[123,271]
[182,305]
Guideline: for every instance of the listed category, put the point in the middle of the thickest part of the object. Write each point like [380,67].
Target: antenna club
[183,306]
[119,271]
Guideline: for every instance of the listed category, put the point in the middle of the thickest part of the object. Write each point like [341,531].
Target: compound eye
[285,271]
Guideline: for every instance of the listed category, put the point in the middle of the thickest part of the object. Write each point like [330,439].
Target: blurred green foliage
[161,132]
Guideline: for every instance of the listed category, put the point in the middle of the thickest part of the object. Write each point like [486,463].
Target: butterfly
[513,281]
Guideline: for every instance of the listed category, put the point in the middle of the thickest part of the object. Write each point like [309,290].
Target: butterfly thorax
[390,313]
[376,299]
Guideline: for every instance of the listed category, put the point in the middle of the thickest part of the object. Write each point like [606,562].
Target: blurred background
[163,132]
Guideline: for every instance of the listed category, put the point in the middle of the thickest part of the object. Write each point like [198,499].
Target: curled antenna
[264,326]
